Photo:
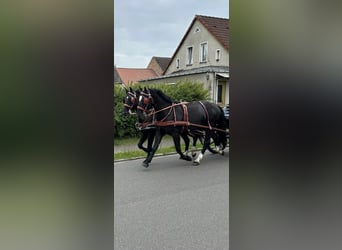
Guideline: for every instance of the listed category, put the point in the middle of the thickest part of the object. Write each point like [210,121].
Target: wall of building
[155,66]
[194,39]
[207,79]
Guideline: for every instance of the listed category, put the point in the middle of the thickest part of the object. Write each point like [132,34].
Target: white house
[202,56]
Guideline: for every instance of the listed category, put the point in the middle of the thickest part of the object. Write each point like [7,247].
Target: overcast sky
[147,28]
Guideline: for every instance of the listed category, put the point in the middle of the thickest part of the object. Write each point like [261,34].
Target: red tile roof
[218,27]
[162,61]
[132,75]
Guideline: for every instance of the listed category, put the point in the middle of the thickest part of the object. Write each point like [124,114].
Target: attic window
[177,63]
[197,30]
[218,55]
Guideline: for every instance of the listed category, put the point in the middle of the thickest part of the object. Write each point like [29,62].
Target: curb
[143,157]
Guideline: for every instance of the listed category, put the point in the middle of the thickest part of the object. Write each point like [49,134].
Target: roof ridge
[212,17]
[133,68]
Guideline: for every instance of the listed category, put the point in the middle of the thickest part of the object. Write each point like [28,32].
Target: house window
[204,52]
[218,55]
[177,63]
[189,56]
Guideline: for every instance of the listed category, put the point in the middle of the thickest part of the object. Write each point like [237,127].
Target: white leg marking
[199,158]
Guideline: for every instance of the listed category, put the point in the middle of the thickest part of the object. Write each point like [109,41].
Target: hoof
[188,158]
[145,164]
[193,155]
[195,163]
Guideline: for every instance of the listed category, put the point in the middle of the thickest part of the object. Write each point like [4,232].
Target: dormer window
[218,55]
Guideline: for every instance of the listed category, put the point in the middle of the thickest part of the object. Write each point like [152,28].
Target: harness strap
[185,111]
[185,122]
[206,111]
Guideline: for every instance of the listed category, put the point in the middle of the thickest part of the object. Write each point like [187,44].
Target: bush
[124,126]
[181,91]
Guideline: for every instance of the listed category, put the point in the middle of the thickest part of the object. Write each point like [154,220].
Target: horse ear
[145,89]
[130,88]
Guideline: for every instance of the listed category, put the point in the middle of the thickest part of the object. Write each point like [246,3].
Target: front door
[221,92]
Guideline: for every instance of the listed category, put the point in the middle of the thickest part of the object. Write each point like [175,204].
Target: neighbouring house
[201,56]
[159,64]
[117,79]
[130,76]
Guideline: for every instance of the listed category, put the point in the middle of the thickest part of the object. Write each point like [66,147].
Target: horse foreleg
[157,140]
[205,147]
[187,143]
[150,139]
[176,141]
[143,138]
[193,149]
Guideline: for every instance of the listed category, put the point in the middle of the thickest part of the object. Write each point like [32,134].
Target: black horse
[147,127]
[147,132]
[175,118]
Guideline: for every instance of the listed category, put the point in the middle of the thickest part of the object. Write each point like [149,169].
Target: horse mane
[162,95]
[137,92]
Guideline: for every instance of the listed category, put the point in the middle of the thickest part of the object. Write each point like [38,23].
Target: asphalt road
[172,204]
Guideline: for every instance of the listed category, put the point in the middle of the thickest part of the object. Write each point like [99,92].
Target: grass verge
[127,155]
[139,153]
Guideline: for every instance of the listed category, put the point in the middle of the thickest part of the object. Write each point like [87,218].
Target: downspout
[215,84]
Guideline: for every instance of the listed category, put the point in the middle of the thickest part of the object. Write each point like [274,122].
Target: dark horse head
[144,105]
[130,102]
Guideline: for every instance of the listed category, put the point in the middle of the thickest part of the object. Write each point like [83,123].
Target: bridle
[146,101]
[133,98]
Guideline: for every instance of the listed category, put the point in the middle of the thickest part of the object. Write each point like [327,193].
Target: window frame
[189,61]
[218,55]
[203,50]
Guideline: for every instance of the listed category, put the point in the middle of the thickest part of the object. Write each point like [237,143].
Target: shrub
[124,126]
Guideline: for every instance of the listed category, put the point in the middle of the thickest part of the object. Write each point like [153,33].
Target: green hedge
[183,90]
